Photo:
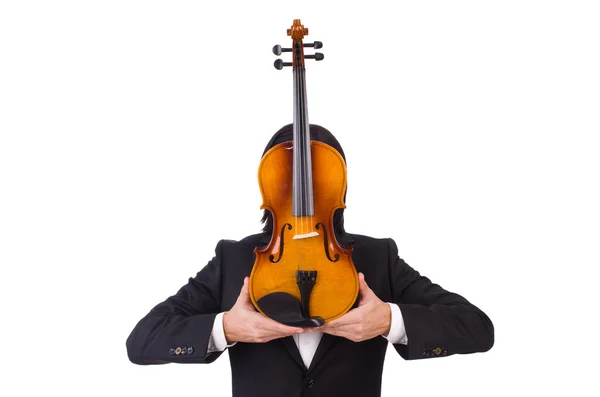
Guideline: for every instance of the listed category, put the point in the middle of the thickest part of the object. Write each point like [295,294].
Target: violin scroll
[297,31]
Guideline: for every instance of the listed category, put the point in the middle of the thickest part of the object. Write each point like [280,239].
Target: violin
[303,277]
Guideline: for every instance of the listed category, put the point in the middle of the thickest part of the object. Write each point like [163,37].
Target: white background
[131,133]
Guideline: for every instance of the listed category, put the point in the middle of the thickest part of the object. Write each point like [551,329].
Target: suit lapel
[290,346]
[324,346]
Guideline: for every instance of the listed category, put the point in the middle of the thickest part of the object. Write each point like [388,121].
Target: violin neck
[302,189]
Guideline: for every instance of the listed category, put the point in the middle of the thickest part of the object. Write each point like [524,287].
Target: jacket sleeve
[438,323]
[178,330]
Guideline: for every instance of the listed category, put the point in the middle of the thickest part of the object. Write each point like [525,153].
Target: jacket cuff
[427,333]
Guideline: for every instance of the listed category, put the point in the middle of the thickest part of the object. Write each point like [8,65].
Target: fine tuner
[278,50]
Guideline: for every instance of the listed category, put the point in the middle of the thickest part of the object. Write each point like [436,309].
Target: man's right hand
[244,324]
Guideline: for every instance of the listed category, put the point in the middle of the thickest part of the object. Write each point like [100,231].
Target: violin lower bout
[336,286]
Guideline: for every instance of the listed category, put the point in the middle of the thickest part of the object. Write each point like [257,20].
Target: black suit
[438,323]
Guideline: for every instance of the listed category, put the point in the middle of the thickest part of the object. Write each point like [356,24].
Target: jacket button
[178,351]
[190,350]
[172,351]
[308,382]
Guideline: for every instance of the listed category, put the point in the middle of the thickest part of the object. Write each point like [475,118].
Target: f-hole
[272,257]
[326,243]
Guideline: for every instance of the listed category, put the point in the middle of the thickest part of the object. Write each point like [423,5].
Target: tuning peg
[317,57]
[316,44]
[279,64]
[277,50]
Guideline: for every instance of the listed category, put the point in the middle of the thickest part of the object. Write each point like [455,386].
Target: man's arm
[179,329]
[437,322]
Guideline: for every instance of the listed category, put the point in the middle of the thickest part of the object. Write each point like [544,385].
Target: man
[344,357]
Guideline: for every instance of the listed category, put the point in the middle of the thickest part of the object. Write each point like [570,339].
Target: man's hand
[371,318]
[244,324]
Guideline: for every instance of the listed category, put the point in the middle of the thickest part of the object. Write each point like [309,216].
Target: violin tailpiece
[306,280]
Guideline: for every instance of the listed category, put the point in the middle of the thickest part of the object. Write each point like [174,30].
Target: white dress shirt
[307,342]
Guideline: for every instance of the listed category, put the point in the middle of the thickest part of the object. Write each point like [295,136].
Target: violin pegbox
[297,32]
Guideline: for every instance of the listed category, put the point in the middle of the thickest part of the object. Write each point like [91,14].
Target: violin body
[336,288]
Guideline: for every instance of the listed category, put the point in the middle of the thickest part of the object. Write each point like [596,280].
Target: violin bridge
[306,235]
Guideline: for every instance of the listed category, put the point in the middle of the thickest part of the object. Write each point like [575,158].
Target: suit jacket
[438,323]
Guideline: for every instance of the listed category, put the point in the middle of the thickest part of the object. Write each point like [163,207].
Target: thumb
[365,291]
[244,297]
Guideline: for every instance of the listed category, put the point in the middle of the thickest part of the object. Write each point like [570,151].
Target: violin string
[306,138]
[307,160]
[310,180]
[304,172]
[300,163]
[303,168]
[296,164]
[300,143]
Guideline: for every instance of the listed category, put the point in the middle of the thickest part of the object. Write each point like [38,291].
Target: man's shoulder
[361,240]
[252,240]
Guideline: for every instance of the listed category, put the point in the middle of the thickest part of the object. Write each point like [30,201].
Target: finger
[244,289]
[244,300]
[244,297]
[261,334]
[352,317]
[365,291]
[346,327]
[270,335]
[267,324]
[343,334]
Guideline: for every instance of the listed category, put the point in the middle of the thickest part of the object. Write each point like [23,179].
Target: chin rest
[286,309]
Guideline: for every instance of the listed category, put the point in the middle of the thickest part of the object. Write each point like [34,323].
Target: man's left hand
[371,318]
